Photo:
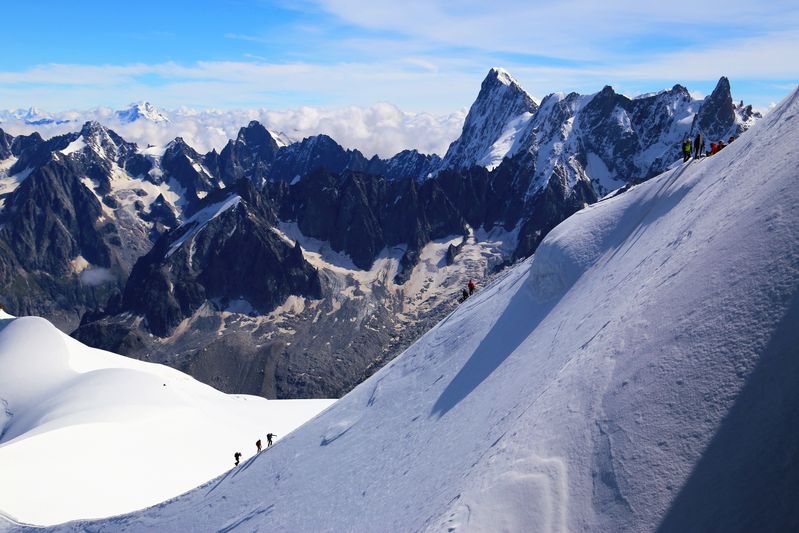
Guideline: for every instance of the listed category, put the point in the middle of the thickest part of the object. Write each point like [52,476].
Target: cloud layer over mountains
[381,129]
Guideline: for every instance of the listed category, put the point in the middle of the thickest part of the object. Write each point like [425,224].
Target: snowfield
[637,374]
[86,433]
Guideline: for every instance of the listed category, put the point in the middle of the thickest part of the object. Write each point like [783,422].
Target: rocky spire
[499,110]
[716,117]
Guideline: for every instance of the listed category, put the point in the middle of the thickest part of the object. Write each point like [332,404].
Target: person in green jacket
[686,150]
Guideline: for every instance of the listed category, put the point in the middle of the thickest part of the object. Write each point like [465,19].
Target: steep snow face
[637,372]
[281,138]
[496,118]
[86,433]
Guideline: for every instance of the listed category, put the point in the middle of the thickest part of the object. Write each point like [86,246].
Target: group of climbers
[468,291]
[716,147]
[269,437]
[698,147]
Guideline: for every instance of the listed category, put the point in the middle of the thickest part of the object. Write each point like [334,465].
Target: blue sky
[419,55]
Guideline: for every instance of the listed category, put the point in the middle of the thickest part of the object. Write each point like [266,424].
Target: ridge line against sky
[418,55]
[379,76]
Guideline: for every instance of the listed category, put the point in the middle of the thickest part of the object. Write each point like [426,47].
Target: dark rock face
[250,156]
[5,144]
[32,151]
[341,209]
[52,218]
[408,164]
[606,134]
[315,153]
[360,214]
[182,163]
[716,118]
[47,222]
[226,251]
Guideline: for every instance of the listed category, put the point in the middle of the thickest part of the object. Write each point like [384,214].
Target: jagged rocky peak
[406,164]
[502,76]
[179,146]
[495,120]
[141,111]
[258,139]
[716,118]
[103,141]
[606,101]
[680,90]
[22,143]
[182,163]
[250,156]
[312,153]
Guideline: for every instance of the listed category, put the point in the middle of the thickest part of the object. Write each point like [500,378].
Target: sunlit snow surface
[638,372]
[86,433]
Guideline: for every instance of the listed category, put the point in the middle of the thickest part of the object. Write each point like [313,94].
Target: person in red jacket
[471,286]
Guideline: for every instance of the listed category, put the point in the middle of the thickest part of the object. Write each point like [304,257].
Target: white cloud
[381,129]
[580,30]
[237,84]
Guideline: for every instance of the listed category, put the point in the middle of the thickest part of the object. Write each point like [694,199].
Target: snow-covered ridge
[199,220]
[86,433]
[637,373]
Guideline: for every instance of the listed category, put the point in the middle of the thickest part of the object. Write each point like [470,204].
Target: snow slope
[86,433]
[639,372]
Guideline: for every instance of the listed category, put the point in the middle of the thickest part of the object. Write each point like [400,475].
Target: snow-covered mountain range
[637,373]
[167,253]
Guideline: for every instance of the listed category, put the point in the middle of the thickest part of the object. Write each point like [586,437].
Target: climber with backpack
[699,145]
[686,150]
[464,296]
